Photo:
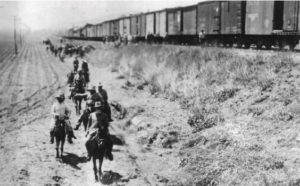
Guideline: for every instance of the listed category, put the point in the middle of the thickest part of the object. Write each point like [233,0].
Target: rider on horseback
[85,70]
[90,105]
[98,120]
[61,113]
[103,94]
[76,61]
[72,74]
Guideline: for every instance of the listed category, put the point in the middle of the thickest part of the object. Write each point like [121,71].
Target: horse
[60,135]
[97,147]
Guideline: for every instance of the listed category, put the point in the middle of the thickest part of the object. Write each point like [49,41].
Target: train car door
[278,15]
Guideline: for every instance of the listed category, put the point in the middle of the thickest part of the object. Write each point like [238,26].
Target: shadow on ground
[110,177]
[73,160]
[117,140]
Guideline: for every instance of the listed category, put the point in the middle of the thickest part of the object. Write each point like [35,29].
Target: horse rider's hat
[98,104]
[60,95]
[100,84]
[89,102]
[91,87]
[84,61]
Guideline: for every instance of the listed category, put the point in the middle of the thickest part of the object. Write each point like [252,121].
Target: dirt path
[27,158]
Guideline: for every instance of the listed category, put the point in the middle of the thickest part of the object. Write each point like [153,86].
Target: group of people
[97,113]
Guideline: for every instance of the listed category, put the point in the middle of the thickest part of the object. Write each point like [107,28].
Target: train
[214,23]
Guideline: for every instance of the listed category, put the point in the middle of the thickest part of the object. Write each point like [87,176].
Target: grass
[241,105]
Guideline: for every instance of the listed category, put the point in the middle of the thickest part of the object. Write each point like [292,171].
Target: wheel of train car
[268,46]
[292,46]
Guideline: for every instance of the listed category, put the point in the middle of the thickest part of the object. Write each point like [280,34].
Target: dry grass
[241,106]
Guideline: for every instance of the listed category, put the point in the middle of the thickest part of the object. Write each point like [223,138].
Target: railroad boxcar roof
[173,9]
[188,7]
[205,2]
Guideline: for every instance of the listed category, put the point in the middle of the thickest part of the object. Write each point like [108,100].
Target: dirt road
[28,83]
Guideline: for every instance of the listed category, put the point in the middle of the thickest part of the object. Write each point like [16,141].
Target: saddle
[99,138]
[60,124]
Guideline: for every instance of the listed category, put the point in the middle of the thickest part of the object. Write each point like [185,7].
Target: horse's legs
[77,106]
[62,147]
[57,147]
[95,168]
[100,165]
[80,101]
[85,124]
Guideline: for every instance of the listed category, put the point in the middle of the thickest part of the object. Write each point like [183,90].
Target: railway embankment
[242,122]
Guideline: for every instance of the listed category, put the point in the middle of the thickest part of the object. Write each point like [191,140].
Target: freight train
[216,23]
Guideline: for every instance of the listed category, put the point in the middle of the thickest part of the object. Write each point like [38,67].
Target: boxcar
[143,26]
[150,23]
[99,30]
[291,16]
[136,27]
[121,27]
[126,26]
[189,20]
[174,22]
[106,29]
[90,31]
[209,17]
[259,17]
[134,24]
[232,17]
[113,30]
[161,23]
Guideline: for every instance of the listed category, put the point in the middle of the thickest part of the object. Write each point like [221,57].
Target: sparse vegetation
[240,105]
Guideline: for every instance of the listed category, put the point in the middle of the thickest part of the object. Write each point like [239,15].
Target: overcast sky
[65,14]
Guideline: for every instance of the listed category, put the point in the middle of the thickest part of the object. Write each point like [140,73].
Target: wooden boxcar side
[208,18]
[161,23]
[150,23]
[189,19]
[174,21]
[143,26]
[291,13]
[232,17]
[259,17]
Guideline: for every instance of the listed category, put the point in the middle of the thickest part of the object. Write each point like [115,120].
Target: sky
[59,15]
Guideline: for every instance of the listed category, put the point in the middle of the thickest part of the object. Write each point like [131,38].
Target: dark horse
[60,136]
[97,147]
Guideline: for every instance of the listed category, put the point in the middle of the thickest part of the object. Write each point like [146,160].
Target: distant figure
[85,70]
[201,37]
[76,61]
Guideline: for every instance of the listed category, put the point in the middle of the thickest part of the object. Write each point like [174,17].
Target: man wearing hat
[91,99]
[76,61]
[85,69]
[72,74]
[97,120]
[61,112]
[103,94]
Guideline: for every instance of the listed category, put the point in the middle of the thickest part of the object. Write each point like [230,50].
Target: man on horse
[98,120]
[90,103]
[85,69]
[103,94]
[72,74]
[76,61]
[61,113]
[78,90]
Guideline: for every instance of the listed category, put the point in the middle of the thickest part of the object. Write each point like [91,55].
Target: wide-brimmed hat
[98,104]
[60,95]
[91,87]
[89,102]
